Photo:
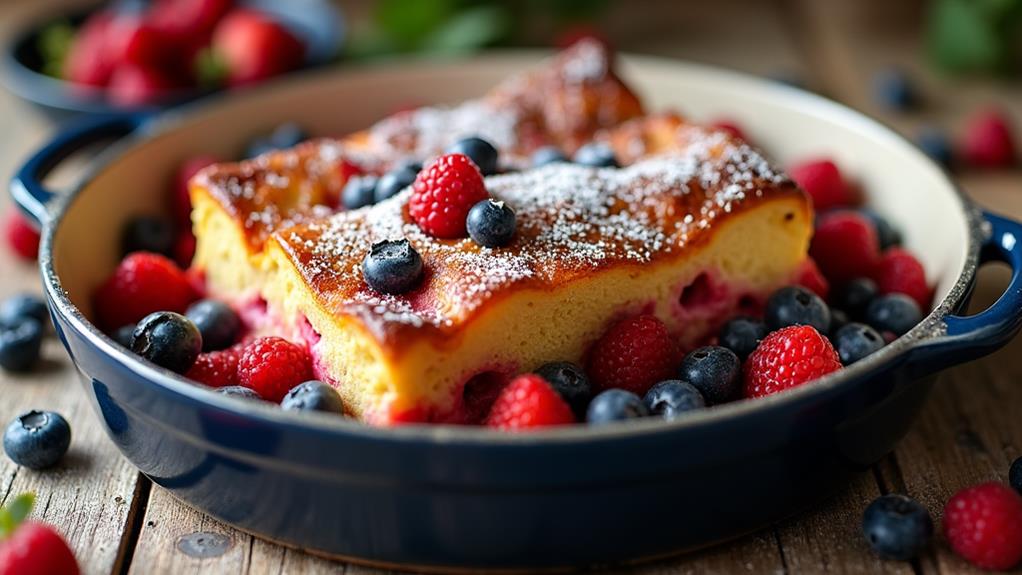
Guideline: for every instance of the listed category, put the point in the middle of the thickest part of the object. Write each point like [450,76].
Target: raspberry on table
[141,284]
[989,141]
[787,358]
[31,548]
[633,355]
[443,193]
[898,271]
[271,366]
[22,238]
[983,524]
[529,402]
[845,246]
[822,180]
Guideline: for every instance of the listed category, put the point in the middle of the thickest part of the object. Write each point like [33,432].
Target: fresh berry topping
[132,85]
[87,60]
[989,141]
[896,313]
[22,238]
[284,136]
[811,278]
[714,370]
[394,181]
[633,355]
[392,267]
[313,396]
[22,306]
[936,144]
[845,246]
[528,402]
[37,439]
[730,127]
[1015,475]
[854,296]
[596,155]
[983,524]
[887,235]
[548,155]
[892,89]
[359,192]
[795,305]
[271,366]
[443,194]
[838,319]
[491,223]
[31,548]
[855,341]
[481,152]
[181,199]
[167,339]
[897,527]
[254,47]
[149,234]
[184,249]
[672,398]
[615,405]
[217,323]
[898,271]
[239,391]
[142,284]
[216,368]
[124,334]
[20,343]
[823,182]
[788,358]
[742,334]
[412,166]
[570,382]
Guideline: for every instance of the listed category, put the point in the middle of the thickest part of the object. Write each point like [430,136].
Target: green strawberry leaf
[14,513]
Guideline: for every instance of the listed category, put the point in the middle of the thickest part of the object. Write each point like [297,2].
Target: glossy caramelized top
[563,102]
[571,221]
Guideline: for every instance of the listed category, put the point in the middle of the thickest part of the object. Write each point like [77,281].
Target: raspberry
[823,182]
[845,246]
[181,201]
[528,402]
[898,271]
[811,278]
[730,127]
[184,249]
[443,193]
[143,283]
[788,358]
[988,141]
[36,548]
[983,524]
[21,236]
[633,355]
[271,366]
[217,368]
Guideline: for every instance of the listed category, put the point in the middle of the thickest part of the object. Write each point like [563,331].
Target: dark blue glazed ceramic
[444,497]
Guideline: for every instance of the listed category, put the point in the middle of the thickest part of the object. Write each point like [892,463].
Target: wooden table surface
[970,431]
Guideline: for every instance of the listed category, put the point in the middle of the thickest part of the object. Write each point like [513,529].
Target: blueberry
[892,88]
[37,439]
[854,296]
[491,223]
[239,391]
[258,147]
[149,234]
[481,152]
[394,181]
[672,398]
[570,382]
[615,405]
[392,267]
[742,334]
[167,339]
[288,135]
[1015,475]
[217,323]
[124,335]
[547,155]
[714,371]
[795,305]
[886,233]
[897,527]
[359,192]
[895,312]
[935,144]
[20,344]
[596,155]
[313,396]
[855,341]
[21,306]
[411,165]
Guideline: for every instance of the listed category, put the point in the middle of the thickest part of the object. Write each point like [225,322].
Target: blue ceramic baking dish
[438,497]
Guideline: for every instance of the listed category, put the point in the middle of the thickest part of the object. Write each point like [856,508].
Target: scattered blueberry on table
[20,306]
[37,439]
[894,90]
[936,144]
[20,344]
[897,527]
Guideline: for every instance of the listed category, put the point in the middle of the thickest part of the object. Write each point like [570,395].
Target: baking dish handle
[27,187]
[970,337]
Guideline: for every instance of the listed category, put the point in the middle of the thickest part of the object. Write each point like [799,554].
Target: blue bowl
[441,497]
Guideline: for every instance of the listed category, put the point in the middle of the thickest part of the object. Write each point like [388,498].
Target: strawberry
[254,47]
[526,403]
